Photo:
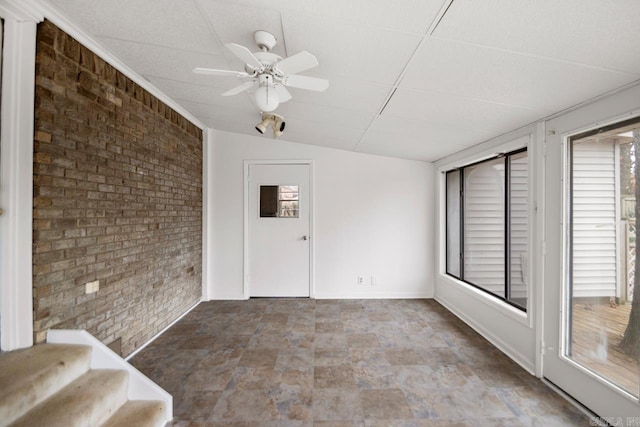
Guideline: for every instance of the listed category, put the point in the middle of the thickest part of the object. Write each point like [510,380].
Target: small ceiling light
[267,98]
[276,122]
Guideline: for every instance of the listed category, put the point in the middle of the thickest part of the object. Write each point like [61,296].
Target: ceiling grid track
[396,84]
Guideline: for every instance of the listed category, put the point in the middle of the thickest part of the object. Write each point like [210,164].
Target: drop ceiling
[414,79]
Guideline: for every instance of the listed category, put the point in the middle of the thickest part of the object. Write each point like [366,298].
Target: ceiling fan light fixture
[267,98]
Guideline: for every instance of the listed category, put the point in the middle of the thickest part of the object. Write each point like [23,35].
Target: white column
[16,178]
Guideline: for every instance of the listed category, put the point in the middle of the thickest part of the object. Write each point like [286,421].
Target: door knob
[305,238]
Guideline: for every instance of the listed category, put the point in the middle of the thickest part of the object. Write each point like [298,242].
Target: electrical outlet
[92,287]
[360,280]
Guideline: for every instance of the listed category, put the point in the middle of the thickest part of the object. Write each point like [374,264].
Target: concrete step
[89,401]
[139,413]
[30,376]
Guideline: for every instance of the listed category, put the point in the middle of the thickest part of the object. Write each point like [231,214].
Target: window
[487,226]
[279,201]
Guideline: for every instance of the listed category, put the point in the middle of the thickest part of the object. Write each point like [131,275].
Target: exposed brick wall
[117,198]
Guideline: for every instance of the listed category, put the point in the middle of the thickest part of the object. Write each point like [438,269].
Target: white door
[279,230]
[582,326]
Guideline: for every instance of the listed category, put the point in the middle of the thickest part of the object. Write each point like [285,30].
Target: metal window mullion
[507,228]
[461,257]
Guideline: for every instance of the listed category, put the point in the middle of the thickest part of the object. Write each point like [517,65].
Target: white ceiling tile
[181,91]
[506,77]
[306,132]
[327,116]
[409,16]
[600,33]
[169,63]
[343,49]
[379,145]
[345,93]
[247,116]
[157,22]
[417,139]
[454,111]
[227,126]
[236,23]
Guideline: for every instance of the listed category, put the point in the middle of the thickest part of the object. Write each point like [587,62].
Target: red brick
[117,197]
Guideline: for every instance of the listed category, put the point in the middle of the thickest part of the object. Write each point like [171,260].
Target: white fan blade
[214,72]
[245,56]
[304,82]
[283,93]
[299,62]
[236,90]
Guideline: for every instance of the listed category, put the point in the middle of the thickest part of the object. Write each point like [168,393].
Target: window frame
[507,226]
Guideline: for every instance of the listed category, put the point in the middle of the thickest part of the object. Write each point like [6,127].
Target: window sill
[493,302]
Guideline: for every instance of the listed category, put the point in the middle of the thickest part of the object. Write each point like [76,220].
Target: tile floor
[303,362]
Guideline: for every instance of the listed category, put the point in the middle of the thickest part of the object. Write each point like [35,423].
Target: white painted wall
[372,215]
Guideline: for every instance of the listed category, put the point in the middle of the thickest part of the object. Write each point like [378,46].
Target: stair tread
[139,413]
[90,400]
[29,376]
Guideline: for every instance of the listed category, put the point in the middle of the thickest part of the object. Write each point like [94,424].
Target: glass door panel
[602,316]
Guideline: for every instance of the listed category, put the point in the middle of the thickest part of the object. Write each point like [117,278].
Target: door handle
[305,237]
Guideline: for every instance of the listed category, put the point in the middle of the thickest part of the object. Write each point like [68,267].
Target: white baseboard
[374,295]
[513,354]
[139,349]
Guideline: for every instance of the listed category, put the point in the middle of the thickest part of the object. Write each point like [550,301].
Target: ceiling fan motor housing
[265,40]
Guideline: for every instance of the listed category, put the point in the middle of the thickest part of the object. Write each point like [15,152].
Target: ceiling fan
[269,73]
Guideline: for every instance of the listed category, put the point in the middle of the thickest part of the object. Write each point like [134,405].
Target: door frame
[604,112]
[247,164]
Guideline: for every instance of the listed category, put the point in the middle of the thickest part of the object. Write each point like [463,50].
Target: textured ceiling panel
[175,64]
[346,94]
[236,23]
[363,52]
[328,116]
[599,33]
[459,111]
[488,73]
[157,22]
[320,134]
[416,139]
[408,16]
[181,91]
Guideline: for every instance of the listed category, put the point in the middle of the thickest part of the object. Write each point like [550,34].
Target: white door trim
[16,169]
[592,390]
[247,164]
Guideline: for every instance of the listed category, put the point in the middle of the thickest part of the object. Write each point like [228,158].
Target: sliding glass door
[591,300]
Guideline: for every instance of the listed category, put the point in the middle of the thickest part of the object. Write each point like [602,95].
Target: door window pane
[268,201]
[279,201]
[603,314]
